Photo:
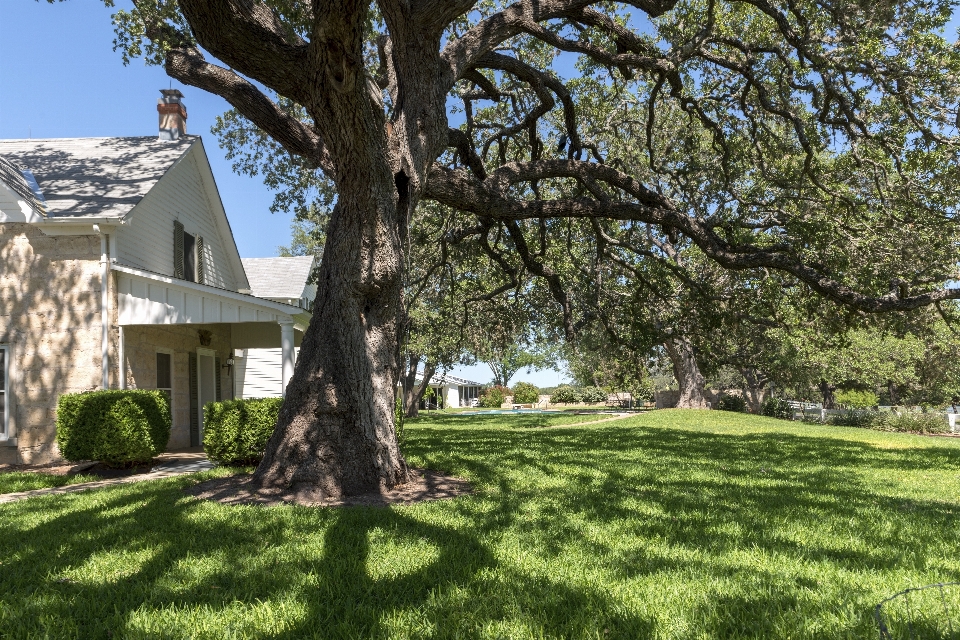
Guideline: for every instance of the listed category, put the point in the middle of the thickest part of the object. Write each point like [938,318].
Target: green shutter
[177,249]
[194,403]
[216,366]
[200,278]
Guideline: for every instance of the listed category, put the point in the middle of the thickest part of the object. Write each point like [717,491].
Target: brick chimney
[173,115]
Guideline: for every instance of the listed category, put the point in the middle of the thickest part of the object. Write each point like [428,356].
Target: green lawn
[665,525]
[20,481]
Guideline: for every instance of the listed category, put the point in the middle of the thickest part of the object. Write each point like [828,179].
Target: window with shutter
[200,275]
[189,257]
[177,249]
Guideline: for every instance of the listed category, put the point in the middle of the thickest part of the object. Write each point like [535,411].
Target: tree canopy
[814,138]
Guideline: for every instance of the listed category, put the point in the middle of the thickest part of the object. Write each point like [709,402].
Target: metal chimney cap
[171,93]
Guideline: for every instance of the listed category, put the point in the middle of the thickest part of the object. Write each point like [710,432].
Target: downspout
[104,307]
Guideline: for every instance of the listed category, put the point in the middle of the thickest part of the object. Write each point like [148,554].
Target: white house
[284,280]
[450,392]
[118,269]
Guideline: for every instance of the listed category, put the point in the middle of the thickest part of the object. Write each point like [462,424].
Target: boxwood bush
[526,393]
[120,428]
[236,431]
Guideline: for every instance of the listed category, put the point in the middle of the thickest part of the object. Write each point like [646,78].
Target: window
[188,263]
[4,370]
[165,374]
[189,257]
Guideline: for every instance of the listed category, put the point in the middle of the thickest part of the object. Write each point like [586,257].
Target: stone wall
[141,344]
[50,319]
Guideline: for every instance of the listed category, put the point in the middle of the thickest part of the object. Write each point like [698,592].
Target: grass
[666,525]
[16,481]
[504,420]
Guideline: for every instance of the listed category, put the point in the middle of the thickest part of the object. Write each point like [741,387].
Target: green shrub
[493,397]
[236,431]
[593,394]
[914,422]
[857,399]
[117,427]
[732,403]
[525,393]
[565,393]
[862,419]
[776,408]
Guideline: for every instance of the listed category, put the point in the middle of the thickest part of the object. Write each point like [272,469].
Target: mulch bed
[424,486]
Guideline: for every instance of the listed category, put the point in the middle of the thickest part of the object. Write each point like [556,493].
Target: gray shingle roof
[12,176]
[95,177]
[278,277]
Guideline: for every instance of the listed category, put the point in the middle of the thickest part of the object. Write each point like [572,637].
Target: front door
[204,388]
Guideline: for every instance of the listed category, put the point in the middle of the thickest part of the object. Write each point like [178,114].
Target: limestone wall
[143,343]
[50,318]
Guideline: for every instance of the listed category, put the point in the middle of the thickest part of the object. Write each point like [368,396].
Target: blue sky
[60,78]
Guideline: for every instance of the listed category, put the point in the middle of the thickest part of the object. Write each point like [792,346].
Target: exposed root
[423,486]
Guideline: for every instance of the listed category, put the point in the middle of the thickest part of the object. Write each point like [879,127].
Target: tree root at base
[424,486]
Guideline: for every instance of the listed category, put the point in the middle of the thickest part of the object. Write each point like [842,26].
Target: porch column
[286,346]
[121,356]
[104,307]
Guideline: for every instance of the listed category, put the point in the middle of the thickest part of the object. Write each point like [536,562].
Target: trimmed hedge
[236,431]
[117,427]
[526,393]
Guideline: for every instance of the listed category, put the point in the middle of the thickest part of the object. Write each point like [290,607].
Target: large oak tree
[361,91]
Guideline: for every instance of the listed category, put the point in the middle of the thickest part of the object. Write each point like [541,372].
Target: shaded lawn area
[666,525]
[15,481]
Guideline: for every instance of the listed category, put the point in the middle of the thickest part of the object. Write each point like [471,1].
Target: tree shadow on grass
[566,528]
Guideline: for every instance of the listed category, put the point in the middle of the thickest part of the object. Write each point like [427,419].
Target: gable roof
[278,277]
[95,177]
[13,177]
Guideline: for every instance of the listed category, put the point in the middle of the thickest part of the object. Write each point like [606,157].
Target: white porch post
[286,347]
[104,308]
[121,356]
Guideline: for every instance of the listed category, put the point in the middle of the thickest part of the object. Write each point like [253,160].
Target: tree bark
[687,372]
[413,392]
[826,390]
[754,386]
[336,432]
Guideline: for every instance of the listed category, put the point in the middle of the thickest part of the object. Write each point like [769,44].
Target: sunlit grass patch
[664,525]
[16,481]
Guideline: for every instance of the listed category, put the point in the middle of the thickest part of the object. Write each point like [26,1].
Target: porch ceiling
[146,298]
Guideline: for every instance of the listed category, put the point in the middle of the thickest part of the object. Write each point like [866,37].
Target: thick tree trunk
[892,390]
[336,433]
[687,372]
[754,386]
[826,390]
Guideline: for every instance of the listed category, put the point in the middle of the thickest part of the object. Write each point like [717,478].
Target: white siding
[258,374]
[13,208]
[147,242]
